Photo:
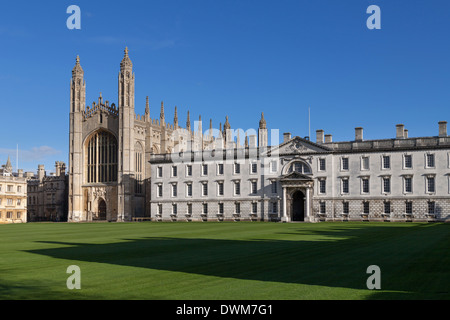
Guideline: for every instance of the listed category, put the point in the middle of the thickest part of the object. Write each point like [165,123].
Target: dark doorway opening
[102,210]
[298,208]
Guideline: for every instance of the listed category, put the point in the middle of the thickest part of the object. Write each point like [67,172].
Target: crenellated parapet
[103,106]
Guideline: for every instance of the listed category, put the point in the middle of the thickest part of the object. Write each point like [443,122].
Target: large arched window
[300,167]
[101,158]
[139,167]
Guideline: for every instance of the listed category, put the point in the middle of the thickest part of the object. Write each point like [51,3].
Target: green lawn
[244,260]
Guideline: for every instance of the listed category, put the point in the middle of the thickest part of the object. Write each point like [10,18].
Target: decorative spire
[126,62]
[246,140]
[161,116]
[210,128]
[188,122]
[226,126]
[200,125]
[175,119]
[77,70]
[147,107]
[262,122]
[8,164]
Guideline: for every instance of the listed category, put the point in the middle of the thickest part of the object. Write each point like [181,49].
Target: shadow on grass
[413,259]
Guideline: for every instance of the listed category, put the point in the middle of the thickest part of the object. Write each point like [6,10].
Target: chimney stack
[319,136]
[359,134]
[400,131]
[406,133]
[286,136]
[442,128]
[328,138]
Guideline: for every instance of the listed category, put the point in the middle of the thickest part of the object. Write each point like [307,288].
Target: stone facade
[13,195]
[399,179]
[47,194]
[110,149]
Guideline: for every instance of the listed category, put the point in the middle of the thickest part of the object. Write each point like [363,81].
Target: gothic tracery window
[101,158]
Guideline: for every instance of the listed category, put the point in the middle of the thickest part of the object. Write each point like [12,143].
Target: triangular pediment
[296,176]
[299,145]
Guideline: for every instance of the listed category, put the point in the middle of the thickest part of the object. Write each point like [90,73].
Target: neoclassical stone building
[110,148]
[398,179]
[13,195]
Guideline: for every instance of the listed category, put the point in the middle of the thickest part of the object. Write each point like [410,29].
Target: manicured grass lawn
[245,260]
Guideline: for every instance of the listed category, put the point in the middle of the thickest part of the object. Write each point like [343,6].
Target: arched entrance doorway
[101,209]
[298,206]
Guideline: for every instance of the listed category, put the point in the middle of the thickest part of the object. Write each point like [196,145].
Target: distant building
[13,195]
[47,194]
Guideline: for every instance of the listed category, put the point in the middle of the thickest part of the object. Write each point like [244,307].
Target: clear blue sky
[227,57]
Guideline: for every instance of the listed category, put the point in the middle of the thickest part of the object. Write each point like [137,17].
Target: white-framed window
[174,208]
[407,161]
[10,188]
[189,208]
[366,207]
[322,164]
[237,207]
[174,171]
[220,188]
[407,184]
[19,188]
[365,164]
[322,186]
[408,207]
[273,166]
[253,167]
[204,186]
[386,162]
[387,207]
[220,169]
[159,172]
[365,185]
[344,163]
[220,207]
[237,188]
[274,207]
[254,207]
[345,207]
[188,170]
[205,208]
[189,189]
[274,186]
[204,169]
[429,160]
[174,189]
[431,207]
[9,202]
[159,190]
[253,186]
[322,207]
[237,168]
[386,184]
[430,184]
[19,201]
[345,185]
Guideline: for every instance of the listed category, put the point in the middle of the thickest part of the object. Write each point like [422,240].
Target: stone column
[284,217]
[308,207]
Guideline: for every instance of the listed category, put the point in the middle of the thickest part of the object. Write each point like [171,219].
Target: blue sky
[227,57]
